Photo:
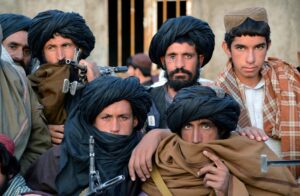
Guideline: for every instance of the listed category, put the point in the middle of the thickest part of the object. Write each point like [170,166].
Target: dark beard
[4,186]
[179,84]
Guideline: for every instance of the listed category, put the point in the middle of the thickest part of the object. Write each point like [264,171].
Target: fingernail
[132,179]
[259,138]
[147,176]
[198,173]
[150,169]
[205,152]
[143,179]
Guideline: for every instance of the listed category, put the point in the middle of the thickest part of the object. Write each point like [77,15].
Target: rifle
[95,185]
[82,70]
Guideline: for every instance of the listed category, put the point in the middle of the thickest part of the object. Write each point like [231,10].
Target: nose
[60,54]
[18,55]
[250,57]
[197,137]
[115,126]
[179,62]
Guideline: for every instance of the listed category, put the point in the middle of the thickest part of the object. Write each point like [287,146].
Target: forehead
[248,40]
[19,37]
[58,40]
[181,48]
[120,107]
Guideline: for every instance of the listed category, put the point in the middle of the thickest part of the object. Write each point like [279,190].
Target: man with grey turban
[54,37]
[203,159]
[15,32]
[111,109]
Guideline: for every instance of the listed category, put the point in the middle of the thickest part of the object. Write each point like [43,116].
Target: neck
[171,91]
[144,79]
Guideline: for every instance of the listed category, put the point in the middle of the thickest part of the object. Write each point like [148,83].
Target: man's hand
[140,162]
[57,133]
[253,133]
[216,175]
[92,69]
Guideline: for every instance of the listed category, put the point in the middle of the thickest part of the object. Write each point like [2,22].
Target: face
[199,131]
[182,63]
[248,54]
[116,118]
[17,46]
[58,48]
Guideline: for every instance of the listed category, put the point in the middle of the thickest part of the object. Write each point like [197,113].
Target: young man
[267,91]
[53,37]
[139,65]
[202,158]
[15,32]
[111,109]
[11,182]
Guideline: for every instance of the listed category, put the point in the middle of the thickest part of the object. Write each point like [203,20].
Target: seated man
[112,110]
[203,159]
[11,182]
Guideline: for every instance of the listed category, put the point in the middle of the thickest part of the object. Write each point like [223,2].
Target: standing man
[140,65]
[181,47]
[15,32]
[268,91]
[54,37]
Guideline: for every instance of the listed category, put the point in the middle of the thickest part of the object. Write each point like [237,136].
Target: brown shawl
[281,109]
[47,82]
[178,163]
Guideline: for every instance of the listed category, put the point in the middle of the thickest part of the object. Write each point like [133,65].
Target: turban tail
[12,23]
[185,26]
[199,102]
[68,24]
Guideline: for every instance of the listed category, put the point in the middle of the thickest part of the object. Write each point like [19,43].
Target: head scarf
[112,152]
[68,24]
[12,23]
[8,143]
[199,102]
[185,26]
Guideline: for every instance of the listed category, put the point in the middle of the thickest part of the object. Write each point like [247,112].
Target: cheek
[186,136]
[126,128]
[69,53]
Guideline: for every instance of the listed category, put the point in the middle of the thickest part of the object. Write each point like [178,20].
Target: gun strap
[159,182]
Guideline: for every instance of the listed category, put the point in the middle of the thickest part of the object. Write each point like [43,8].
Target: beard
[178,84]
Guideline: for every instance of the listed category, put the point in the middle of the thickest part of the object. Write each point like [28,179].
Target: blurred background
[125,27]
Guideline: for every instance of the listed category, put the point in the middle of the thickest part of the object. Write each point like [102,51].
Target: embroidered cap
[235,18]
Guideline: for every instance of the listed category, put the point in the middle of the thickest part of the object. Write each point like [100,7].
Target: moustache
[178,70]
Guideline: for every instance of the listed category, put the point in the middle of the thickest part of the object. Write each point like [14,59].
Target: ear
[269,44]
[162,60]
[135,121]
[226,49]
[201,59]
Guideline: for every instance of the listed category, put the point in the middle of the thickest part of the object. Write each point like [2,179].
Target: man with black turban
[181,47]
[201,158]
[54,37]
[112,110]
[15,32]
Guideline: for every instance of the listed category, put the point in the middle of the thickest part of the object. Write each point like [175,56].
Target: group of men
[257,98]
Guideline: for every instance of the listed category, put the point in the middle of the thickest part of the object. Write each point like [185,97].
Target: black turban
[107,90]
[12,23]
[199,102]
[68,24]
[185,26]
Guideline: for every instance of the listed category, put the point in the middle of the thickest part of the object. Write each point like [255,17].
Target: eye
[12,46]
[188,56]
[124,118]
[261,47]
[238,47]
[105,117]
[188,126]
[27,52]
